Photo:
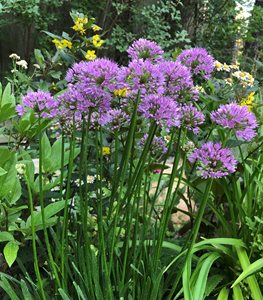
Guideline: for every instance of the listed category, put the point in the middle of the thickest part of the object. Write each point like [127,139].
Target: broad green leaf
[6,236]
[10,252]
[250,270]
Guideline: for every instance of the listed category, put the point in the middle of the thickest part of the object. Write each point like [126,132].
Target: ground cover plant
[86,196]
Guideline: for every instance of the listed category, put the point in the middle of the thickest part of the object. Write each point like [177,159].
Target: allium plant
[146,50]
[42,103]
[118,118]
[236,117]
[198,61]
[213,160]
[178,81]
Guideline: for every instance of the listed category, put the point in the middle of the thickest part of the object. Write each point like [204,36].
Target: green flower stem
[39,279]
[64,242]
[42,205]
[194,233]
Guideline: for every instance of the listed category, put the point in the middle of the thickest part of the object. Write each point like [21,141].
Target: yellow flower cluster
[90,55]
[62,44]
[248,101]
[96,28]
[97,41]
[121,92]
[105,151]
[79,25]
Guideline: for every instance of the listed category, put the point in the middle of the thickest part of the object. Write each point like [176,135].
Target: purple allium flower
[146,50]
[238,118]
[117,119]
[178,81]
[198,60]
[191,118]
[158,146]
[141,75]
[213,161]
[164,110]
[42,103]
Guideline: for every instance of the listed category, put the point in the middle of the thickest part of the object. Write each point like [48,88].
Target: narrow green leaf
[5,285]
[2,171]
[251,269]
[237,293]
[63,294]
[223,295]
[26,294]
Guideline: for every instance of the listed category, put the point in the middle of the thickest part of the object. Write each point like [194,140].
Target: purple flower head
[158,146]
[163,110]
[146,50]
[99,119]
[213,161]
[90,86]
[191,118]
[178,81]
[198,60]
[117,119]
[238,118]
[141,75]
[42,103]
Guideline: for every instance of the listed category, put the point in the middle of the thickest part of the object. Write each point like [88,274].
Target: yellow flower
[97,41]
[82,20]
[226,67]
[105,151]
[66,44]
[96,28]
[79,27]
[121,92]
[248,101]
[90,55]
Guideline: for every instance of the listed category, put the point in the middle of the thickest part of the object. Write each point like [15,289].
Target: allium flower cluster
[117,119]
[158,146]
[198,60]
[141,75]
[238,118]
[213,161]
[94,81]
[163,110]
[146,50]
[192,118]
[178,81]
[42,103]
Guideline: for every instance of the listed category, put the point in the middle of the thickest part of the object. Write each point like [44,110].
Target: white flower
[20,168]
[14,56]
[22,63]
[36,66]
[90,179]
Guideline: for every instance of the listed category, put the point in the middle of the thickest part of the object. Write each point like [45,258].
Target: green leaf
[5,285]
[223,295]
[63,294]
[6,236]
[2,171]
[10,252]
[26,294]
[237,293]
[200,285]
[250,270]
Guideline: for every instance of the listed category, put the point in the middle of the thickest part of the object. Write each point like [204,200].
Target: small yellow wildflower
[105,151]
[121,92]
[66,44]
[90,55]
[234,66]
[97,41]
[242,74]
[96,28]
[82,20]
[248,101]
[79,27]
